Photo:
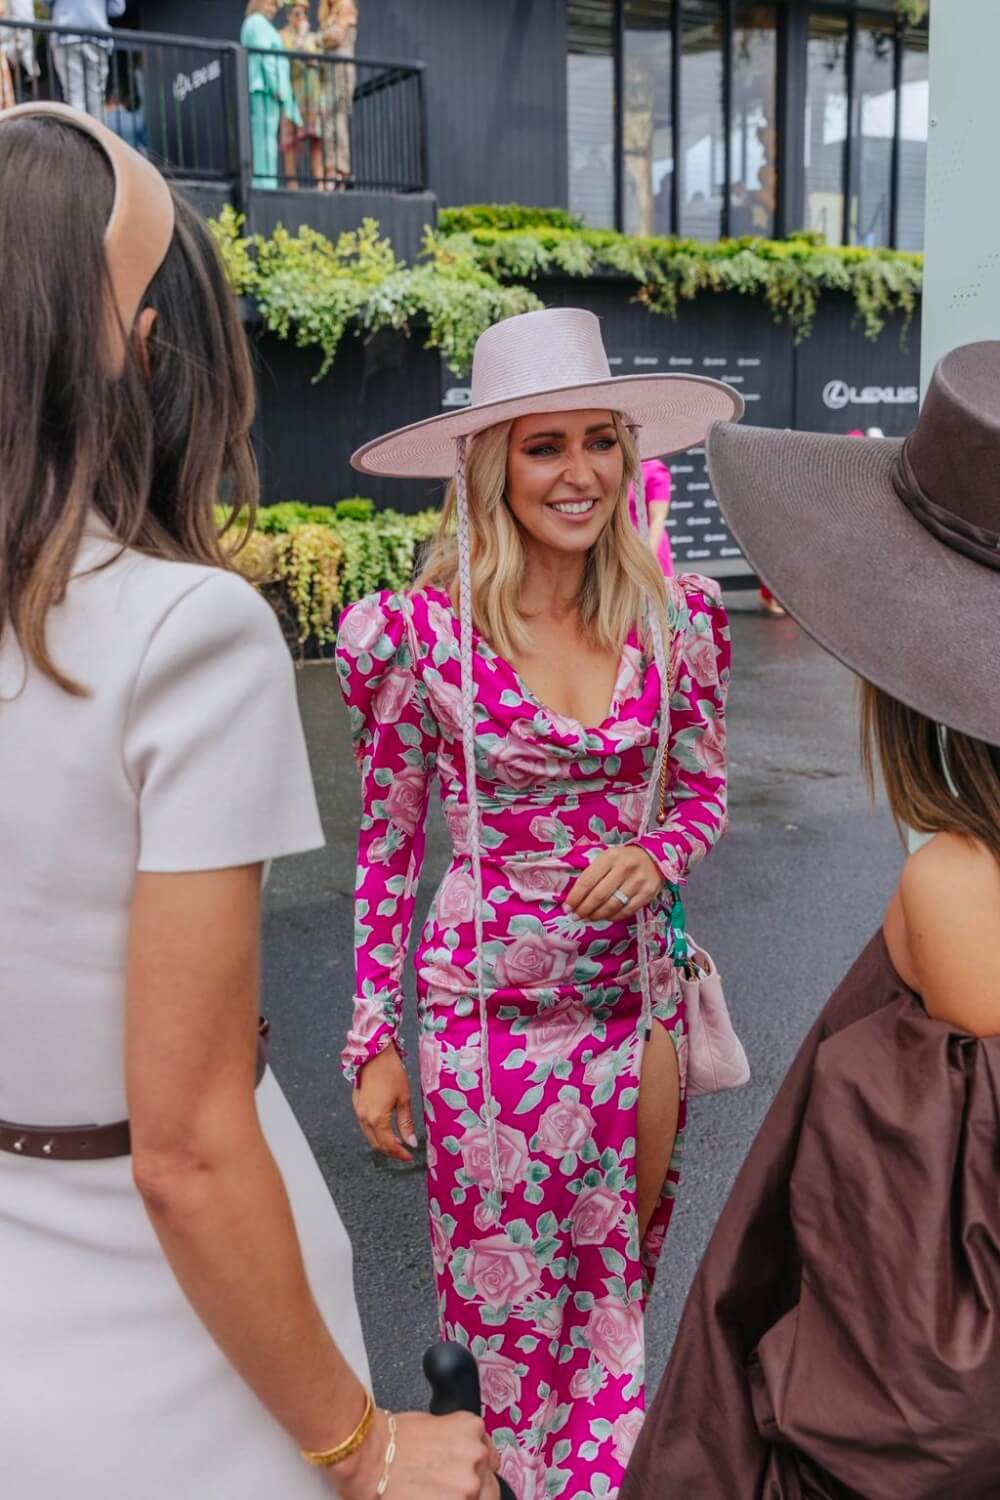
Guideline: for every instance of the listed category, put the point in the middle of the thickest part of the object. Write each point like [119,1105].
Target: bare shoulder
[949,905]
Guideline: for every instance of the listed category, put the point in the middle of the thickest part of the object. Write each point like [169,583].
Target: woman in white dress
[177,1317]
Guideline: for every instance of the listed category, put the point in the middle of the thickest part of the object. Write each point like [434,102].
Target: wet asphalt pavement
[784,903]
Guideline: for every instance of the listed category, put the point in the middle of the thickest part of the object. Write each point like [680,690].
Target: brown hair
[148,450]
[937,780]
[254,6]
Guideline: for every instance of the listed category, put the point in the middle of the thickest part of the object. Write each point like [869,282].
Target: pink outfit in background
[656,482]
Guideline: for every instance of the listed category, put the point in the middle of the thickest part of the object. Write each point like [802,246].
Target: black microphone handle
[453,1376]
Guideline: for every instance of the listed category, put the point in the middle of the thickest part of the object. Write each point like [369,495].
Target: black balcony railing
[350,122]
[176,99]
[197,109]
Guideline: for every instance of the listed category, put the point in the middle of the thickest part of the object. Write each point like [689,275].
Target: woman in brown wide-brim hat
[842,1337]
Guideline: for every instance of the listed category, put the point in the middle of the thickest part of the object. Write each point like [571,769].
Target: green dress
[271,96]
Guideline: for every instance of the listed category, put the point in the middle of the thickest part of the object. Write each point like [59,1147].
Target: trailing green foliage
[311,561]
[317,292]
[913,11]
[790,276]
[504,216]
[313,290]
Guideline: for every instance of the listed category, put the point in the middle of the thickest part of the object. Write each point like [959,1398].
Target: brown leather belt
[87,1142]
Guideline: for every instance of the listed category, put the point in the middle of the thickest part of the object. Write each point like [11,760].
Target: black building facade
[697,117]
[709,118]
[694,117]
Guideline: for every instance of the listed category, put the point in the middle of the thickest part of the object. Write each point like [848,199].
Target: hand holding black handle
[453,1375]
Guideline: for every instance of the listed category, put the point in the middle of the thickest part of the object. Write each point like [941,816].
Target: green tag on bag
[678,926]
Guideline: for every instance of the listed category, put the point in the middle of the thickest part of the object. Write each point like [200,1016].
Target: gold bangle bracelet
[350,1445]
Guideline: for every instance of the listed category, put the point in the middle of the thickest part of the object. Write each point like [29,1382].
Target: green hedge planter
[310,562]
[790,276]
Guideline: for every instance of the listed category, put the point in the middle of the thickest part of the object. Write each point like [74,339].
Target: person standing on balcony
[82,62]
[127,123]
[338,31]
[272,99]
[307,86]
[20,45]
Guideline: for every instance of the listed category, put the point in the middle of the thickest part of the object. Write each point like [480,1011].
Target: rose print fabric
[545,1281]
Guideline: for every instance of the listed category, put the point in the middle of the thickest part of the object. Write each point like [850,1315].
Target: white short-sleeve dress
[187,754]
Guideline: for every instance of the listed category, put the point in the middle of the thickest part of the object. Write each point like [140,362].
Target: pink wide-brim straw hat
[553,361]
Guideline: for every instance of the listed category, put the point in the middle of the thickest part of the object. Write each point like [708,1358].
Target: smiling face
[564,476]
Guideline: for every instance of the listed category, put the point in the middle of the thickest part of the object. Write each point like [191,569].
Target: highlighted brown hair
[936,780]
[151,450]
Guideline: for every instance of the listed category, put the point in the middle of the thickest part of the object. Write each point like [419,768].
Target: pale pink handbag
[716,1059]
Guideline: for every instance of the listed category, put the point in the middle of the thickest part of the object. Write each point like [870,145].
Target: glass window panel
[826,126]
[590,88]
[648,116]
[872,130]
[753,193]
[703,151]
[914,120]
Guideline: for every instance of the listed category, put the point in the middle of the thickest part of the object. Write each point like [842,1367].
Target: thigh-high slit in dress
[544,1279]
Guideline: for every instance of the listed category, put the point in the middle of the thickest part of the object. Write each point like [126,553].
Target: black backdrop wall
[496,106]
[836,381]
[306,432]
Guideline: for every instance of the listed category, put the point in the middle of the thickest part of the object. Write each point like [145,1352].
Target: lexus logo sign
[837,394]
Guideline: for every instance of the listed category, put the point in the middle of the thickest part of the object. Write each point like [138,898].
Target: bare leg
[659,1105]
[316,162]
[291,155]
[328,146]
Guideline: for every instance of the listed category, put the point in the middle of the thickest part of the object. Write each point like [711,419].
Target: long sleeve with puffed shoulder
[695,801]
[395,746]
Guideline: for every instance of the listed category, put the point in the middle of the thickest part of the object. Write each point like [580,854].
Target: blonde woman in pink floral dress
[524,673]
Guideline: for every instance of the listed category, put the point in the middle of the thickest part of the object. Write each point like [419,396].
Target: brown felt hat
[887,551]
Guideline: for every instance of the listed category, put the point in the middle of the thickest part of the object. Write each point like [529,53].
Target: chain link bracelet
[390,1457]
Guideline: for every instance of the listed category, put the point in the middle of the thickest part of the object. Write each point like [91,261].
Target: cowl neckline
[560,721]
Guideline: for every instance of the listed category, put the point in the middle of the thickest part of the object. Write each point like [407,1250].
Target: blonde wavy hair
[621,578]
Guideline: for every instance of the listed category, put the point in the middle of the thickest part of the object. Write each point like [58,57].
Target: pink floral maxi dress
[546,1281]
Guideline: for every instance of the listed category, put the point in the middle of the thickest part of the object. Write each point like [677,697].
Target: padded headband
[141,226]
